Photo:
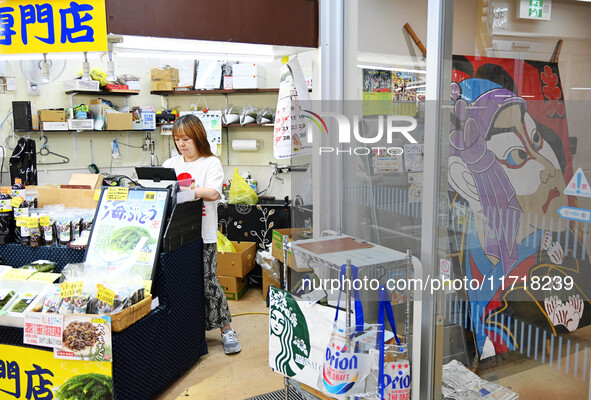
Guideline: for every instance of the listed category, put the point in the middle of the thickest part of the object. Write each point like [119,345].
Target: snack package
[23,300]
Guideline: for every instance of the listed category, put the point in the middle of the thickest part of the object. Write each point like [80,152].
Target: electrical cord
[2,165]
[7,115]
[268,186]
[250,313]
[128,145]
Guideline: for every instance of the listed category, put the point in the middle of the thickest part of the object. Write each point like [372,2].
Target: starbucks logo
[288,325]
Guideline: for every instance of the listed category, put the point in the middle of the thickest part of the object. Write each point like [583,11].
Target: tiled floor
[236,377]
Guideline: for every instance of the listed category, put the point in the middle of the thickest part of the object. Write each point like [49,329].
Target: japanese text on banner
[48,27]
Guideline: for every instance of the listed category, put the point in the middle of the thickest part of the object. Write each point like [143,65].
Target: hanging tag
[44,220]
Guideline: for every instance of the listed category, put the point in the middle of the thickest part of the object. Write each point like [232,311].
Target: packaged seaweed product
[81,303]
[6,216]
[5,296]
[52,300]
[18,189]
[63,225]
[41,266]
[67,306]
[35,234]
[21,233]
[23,301]
[49,232]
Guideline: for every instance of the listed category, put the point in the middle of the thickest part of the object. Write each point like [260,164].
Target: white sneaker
[231,345]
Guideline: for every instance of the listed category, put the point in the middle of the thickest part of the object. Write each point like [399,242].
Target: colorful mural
[509,165]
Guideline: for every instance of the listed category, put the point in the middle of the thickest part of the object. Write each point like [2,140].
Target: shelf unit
[123,93]
[225,93]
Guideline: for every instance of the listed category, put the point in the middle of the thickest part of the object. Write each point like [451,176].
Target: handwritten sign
[105,295]
[70,289]
[49,27]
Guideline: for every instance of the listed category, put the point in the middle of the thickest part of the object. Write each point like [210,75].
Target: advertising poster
[86,337]
[377,92]
[509,164]
[127,228]
[35,374]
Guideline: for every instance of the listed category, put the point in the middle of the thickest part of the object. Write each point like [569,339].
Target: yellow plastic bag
[241,192]
[224,245]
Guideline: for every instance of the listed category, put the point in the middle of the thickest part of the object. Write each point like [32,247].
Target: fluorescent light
[380,67]
[122,53]
[202,49]
[580,88]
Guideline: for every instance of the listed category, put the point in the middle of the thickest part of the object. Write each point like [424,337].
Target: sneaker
[231,345]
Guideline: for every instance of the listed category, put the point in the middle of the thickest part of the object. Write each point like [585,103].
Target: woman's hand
[207,194]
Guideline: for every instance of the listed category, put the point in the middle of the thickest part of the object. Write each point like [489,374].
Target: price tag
[16,202]
[44,220]
[150,196]
[97,194]
[21,221]
[143,256]
[104,294]
[18,274]
[70,289]
[148,285]
[43,329]
[31,222]
[117,193]
[44,277]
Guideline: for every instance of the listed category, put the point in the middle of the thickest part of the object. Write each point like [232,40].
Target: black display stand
[151,354]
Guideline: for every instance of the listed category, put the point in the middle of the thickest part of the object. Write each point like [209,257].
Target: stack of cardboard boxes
[233,268]
[164,78]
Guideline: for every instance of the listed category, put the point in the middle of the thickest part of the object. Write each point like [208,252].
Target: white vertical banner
[290,133]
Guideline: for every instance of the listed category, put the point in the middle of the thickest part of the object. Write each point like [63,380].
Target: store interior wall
[77,147]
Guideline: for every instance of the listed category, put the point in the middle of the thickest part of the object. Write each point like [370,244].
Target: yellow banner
[51,27]
[35,374]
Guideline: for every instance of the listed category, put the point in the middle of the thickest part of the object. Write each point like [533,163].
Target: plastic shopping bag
[240,191]
[224,245]
[394,376]
[346,367]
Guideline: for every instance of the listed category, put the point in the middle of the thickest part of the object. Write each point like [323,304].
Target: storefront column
[327,170]
[439,56]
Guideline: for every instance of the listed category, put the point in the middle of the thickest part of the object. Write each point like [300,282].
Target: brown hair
[191,127]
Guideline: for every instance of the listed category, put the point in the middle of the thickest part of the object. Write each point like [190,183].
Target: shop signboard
[127,228]
[35,374]
[50,27]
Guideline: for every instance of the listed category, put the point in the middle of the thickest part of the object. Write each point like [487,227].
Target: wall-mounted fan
[41,72]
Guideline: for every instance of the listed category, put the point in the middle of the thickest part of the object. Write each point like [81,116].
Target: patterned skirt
[216,305]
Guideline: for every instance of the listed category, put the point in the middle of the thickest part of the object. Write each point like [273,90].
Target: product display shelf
[124,93]
[214,91]
[151,354]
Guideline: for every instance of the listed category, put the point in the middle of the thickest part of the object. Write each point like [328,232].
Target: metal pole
[286,288]
[348,297]
[406,317]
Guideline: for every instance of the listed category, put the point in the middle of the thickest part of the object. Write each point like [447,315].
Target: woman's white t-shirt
[207,172]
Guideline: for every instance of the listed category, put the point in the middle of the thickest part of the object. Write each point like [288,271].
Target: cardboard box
[119,121]
[79,84]
[234,288]
[248,82]
[248,69]
[81,124]
[163,85]
[133,85]
[95,181]
[82,198]
[277,245]
[240,263]
[269,280]
[52,115]
[54,126]
[164,74]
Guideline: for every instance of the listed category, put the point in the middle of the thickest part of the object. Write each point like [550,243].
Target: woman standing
[196,161]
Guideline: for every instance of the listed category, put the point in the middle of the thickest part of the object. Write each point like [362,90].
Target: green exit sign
[534,9]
